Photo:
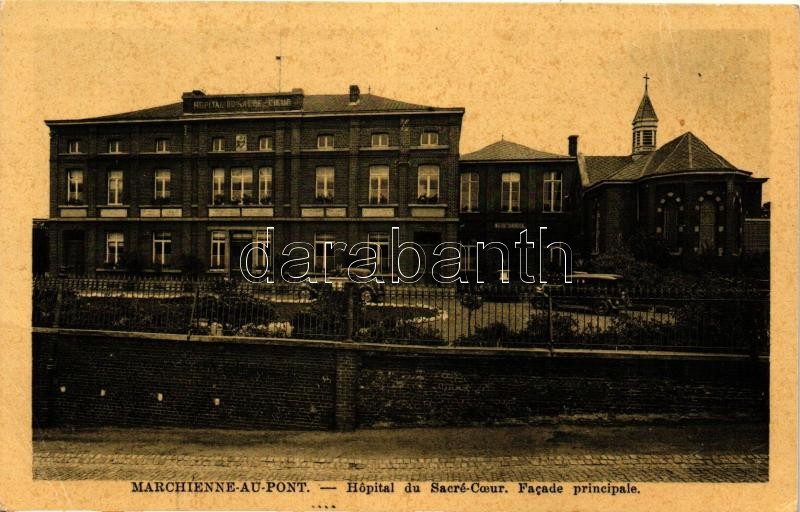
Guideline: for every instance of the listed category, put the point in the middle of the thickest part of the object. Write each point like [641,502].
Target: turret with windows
[645,125]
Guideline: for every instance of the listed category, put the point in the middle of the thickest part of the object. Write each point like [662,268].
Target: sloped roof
[511,151]
[312,103]
[645,110]
[599,168]
[685,153]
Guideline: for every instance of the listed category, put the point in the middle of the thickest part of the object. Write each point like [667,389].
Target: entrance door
[74,256]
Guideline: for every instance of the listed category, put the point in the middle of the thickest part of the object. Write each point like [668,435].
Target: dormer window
[380,140]
[218,144]
[74,146]
[162,145]
[114,146]
[265,143]
[325,141]
[429,138]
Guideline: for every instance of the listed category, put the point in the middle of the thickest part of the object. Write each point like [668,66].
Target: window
[114,146]
[241,142]
[428,184]
[162,145]
[115,246]
[670,228]
[261,250]
[509,200]
[242,185]
[323,252]
[75,187]
[469,253]
[114,187]
[379,243]
[552,191]
[218,248]
[380,140]
[162,190]
[379,184]
[265,185]
[324,188]
[596,230]
[74,146]
[429,138]
[708,227]
[265,143]
[162,248]
[325,142]
[469,192]
[218,185]
[218,144]
[647,138]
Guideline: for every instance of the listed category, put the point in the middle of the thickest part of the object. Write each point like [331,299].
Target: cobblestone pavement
[641,468]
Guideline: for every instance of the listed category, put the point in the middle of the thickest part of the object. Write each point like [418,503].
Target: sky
[530,74]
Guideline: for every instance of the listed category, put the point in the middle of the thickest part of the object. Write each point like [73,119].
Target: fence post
[349,288]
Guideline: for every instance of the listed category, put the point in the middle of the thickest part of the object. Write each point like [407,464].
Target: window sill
[431,147]
[379,148]
[119,153]
[378,205]
[160,152]
[73,154]
[428,205]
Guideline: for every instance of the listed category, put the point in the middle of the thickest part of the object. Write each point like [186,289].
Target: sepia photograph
[400,256]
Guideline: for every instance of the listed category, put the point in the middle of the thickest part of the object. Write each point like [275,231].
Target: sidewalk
[717,452]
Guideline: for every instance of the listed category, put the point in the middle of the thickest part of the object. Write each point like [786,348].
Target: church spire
[645,124]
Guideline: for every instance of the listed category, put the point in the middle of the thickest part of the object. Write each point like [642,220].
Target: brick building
[506,188]
[207,175]
[682,194]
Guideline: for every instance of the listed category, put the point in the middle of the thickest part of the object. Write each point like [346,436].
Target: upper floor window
[380,140]
[428,184]
[379,184]
[115,146]
[162,248]
[429,138]
[242,185]
[161,185]
[325,184]
[265,143]
[218,144]
[115,247]
[509,200]
[75,187]
[469,192]
[265,185]
[218,185]
[162,145]
[325,141]
[74,146]
[241,142]
[552,191]
[114,187]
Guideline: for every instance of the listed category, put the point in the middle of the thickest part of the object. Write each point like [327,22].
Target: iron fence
[734,320]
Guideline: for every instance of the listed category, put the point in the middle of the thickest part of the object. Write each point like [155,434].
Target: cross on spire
[646,78]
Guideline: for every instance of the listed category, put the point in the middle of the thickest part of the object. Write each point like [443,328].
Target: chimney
[354,94]
[573,145]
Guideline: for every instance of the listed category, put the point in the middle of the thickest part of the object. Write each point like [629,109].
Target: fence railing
[549,316]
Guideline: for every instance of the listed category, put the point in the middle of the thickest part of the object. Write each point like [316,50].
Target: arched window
[708,227]
[670,228]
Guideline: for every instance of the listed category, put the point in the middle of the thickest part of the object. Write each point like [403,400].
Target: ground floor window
[379,243]
[162,248]
[261,249]
[218,245]
[708,227]
[115,247]
[323,252]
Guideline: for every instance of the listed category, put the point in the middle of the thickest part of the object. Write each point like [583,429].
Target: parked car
[371,291]
[600,293]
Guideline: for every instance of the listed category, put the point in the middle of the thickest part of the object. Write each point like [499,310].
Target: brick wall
[104,380]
